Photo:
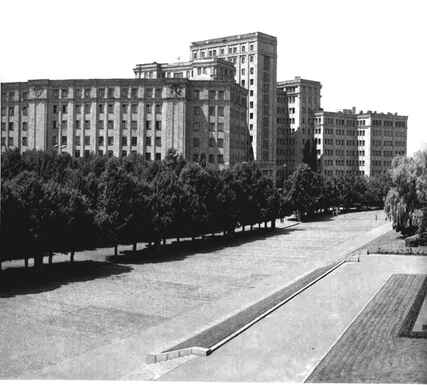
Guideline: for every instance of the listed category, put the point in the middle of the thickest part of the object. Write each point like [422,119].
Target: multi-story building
[254,56]
[202,119]
[303,99]
[361,143]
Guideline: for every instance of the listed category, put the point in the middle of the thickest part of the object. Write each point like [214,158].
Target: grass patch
[371,349]
[392,243]
[216,333]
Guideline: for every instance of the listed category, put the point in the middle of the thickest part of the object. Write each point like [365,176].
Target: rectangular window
[110,125]
[124,125]
[196,142]
[196,110]
[158,109]
[124,141]
[134,108]
[11,126]
[158,92]
[158,124]
[111,92]
[211,126]
[54,140]
[148,140]
[100,125]
[100,140]
[148,108]
[221,95]
[25,141]
[86,124]
[24,126]
[64,140]
[196,94]
[211,142]
[77,140]
[212,94]
[110,108]
[220,126]
[78,93]
[133,125]
[220,142]
[148,124]
[220,158]
[77,153]
[110,140]
[220,111]
[134,92]
[87,140]
[64,124]
[147,156]
[124,108]
[211,110]
[158,141]
[133,141]
[211,158]
[158,156]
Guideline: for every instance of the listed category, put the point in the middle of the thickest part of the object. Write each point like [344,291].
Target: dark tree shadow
[19,281]
[185,248]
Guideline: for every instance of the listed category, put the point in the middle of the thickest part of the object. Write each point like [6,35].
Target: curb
[153,358]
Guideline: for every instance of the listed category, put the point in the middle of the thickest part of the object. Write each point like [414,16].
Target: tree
[407,195]
[309,154]
[303,190]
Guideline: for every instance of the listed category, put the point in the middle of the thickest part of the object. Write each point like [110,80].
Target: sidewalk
[289,343]
[103,328]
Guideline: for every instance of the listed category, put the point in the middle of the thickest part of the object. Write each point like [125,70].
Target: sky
[367,54]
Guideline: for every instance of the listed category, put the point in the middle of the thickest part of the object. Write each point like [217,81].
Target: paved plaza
[98,318]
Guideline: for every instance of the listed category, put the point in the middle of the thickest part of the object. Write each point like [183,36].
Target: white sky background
[368,54]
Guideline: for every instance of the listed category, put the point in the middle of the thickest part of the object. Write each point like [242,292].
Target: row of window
[211,158]
[219,142]
[212,52]
[88,92]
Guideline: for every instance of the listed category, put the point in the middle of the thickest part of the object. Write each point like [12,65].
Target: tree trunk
[252,227]
[38,261]
[259,225]
[116,250]
[164,241]
[72,256]
[243,228]
[26,262]
[177,239]
[265,224]
[50,257]
[273,224]
[134,247]
[0,264]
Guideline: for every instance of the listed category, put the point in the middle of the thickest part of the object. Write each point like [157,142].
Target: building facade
[201,119]
[364,143]
[303,100]
[254,56]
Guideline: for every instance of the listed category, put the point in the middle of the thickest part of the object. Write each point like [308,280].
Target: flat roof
[226,39]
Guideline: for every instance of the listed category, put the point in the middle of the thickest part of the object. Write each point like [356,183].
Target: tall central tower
[254,56]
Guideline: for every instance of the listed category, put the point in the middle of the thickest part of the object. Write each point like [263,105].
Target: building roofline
[296,80]
[114,81]
[244,36]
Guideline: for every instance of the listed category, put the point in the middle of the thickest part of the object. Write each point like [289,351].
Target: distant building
[364,143]
[303,100]
[205,120]
[254,56]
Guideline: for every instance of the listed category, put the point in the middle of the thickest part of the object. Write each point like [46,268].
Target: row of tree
[55,203]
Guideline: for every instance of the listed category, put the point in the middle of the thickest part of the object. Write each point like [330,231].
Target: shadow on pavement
[185,248]
[19,281]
